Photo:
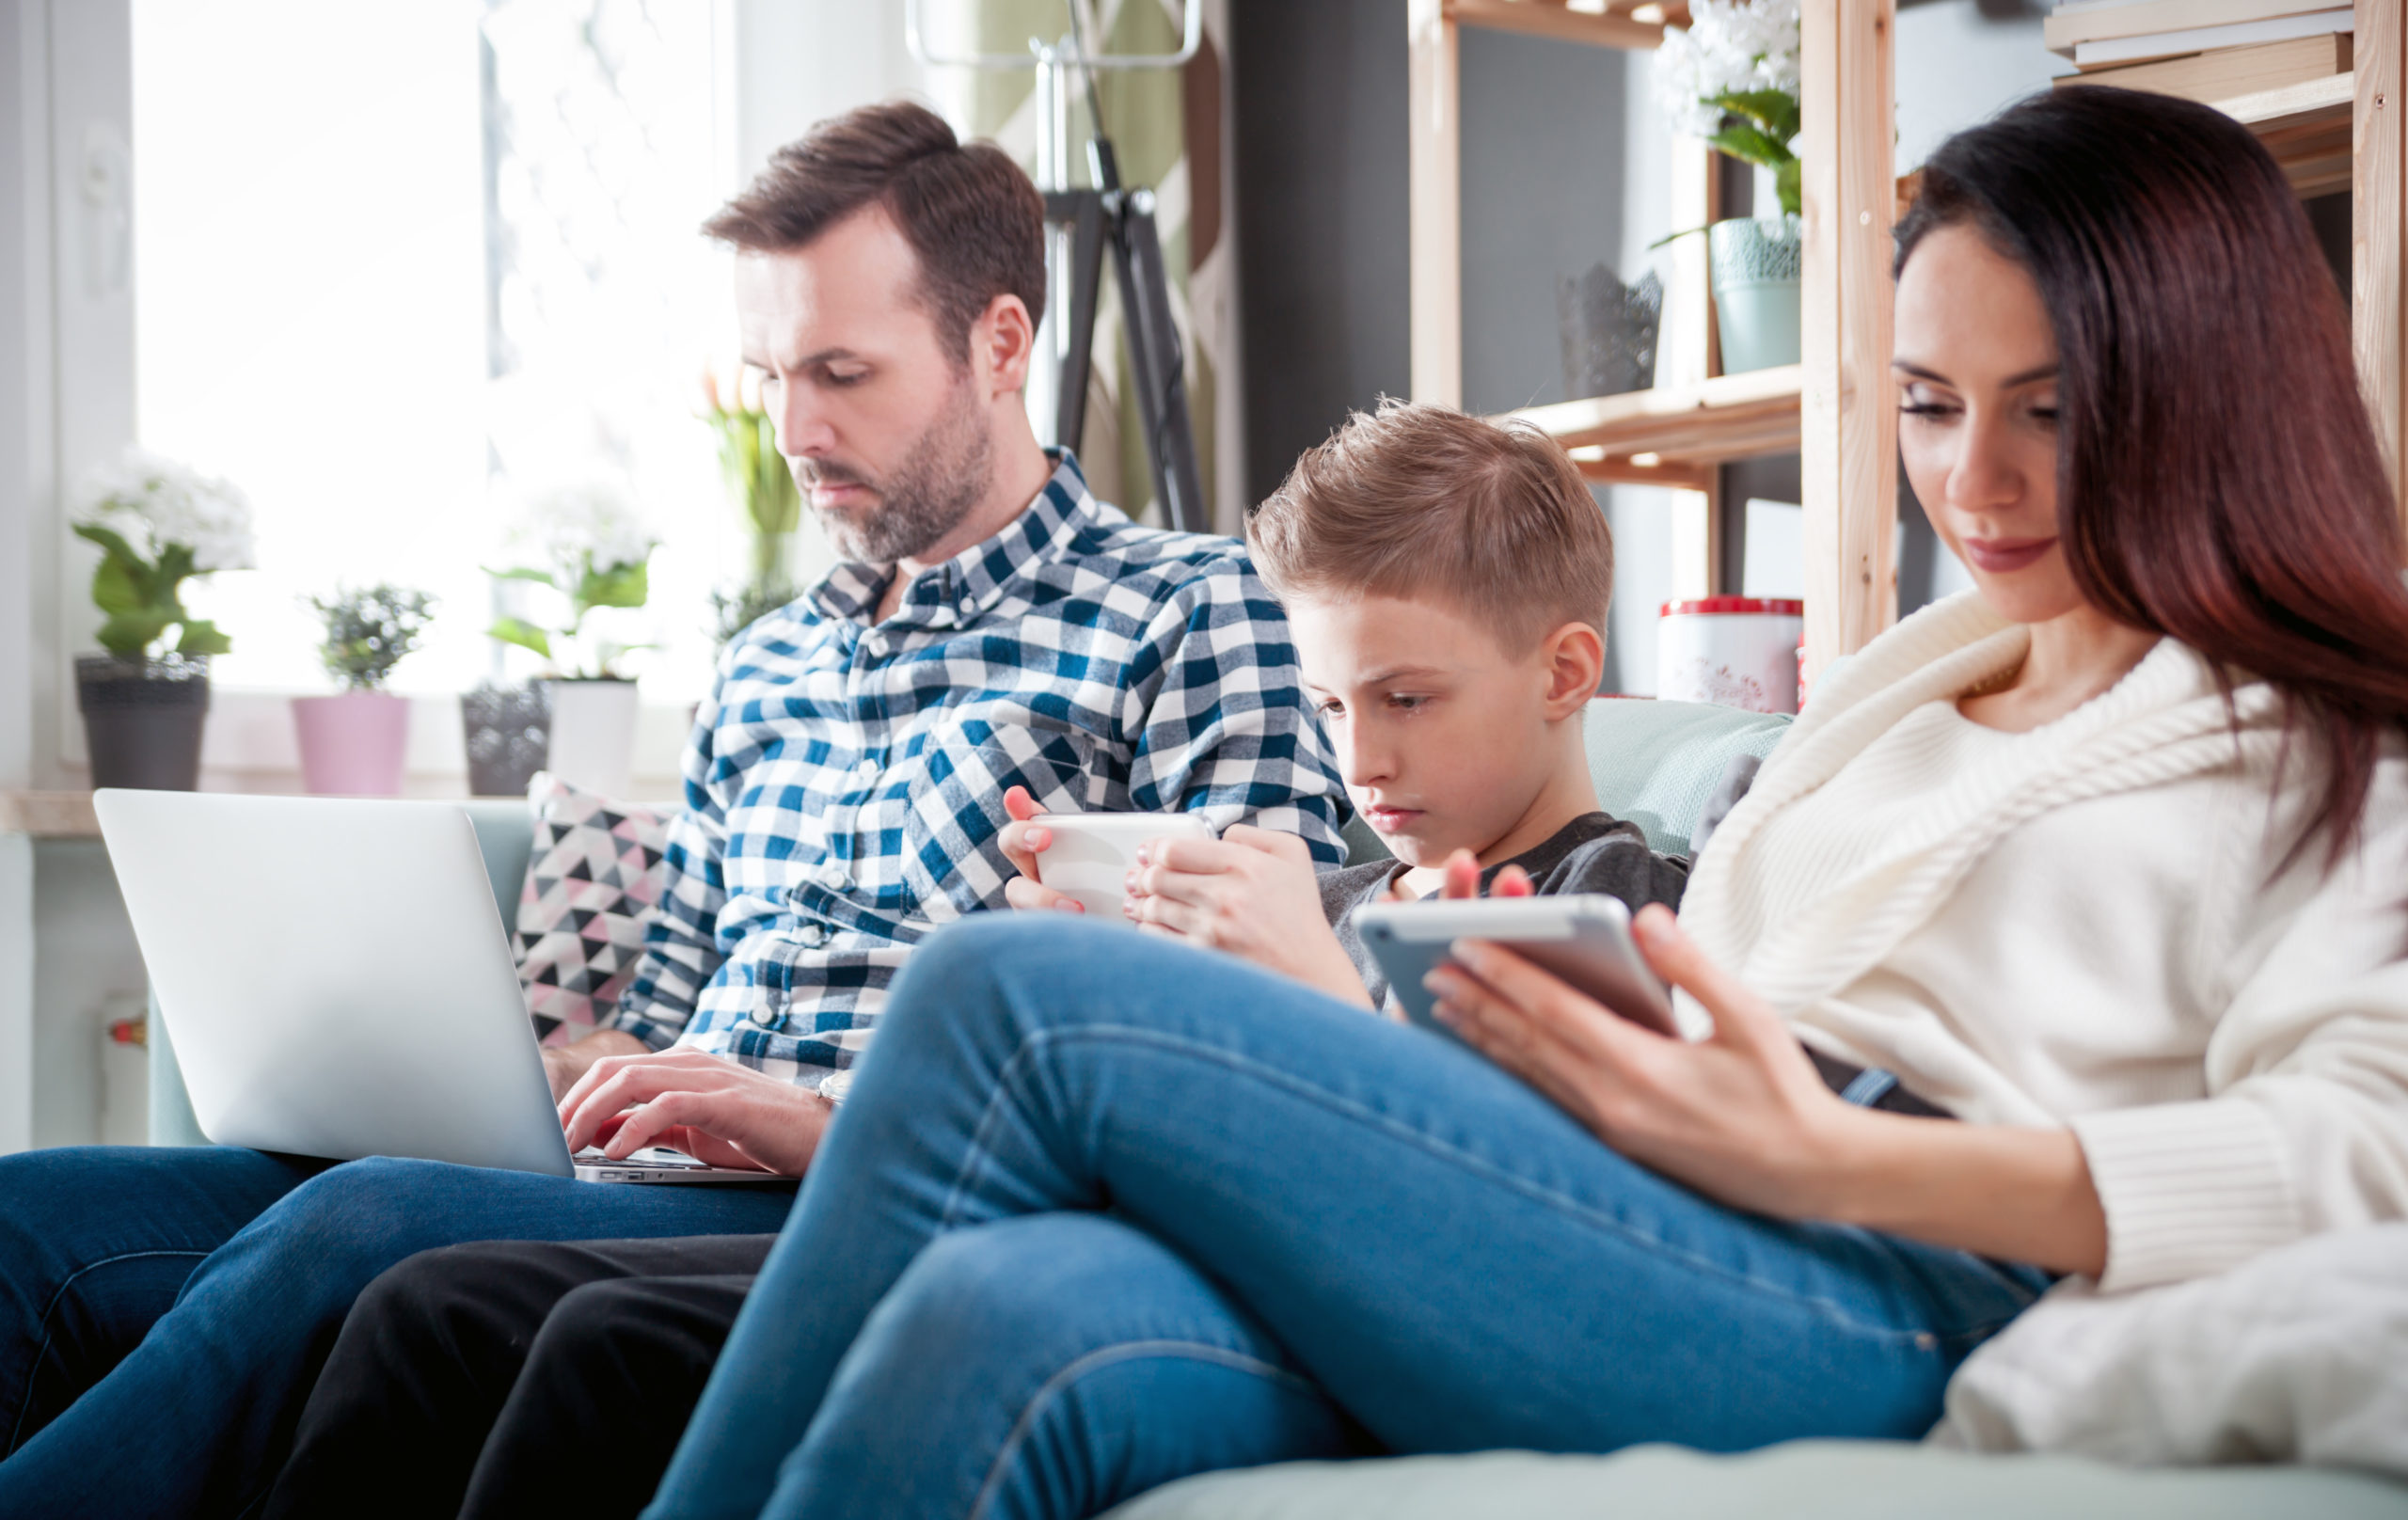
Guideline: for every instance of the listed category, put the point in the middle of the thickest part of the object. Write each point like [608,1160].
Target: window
[401,263]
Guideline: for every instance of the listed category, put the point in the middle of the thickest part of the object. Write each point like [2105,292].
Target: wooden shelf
[2306,127]
[1651,436]
[49,815]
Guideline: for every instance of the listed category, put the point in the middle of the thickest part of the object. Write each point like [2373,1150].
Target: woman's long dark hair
[2218,480]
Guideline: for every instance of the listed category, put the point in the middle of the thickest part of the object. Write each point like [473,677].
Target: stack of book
[2204,50]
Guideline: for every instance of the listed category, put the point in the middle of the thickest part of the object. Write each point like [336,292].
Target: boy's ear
[1576,661]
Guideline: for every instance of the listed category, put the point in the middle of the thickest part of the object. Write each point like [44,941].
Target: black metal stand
[1156,359]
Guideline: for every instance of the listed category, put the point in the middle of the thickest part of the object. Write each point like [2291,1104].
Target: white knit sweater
[2085,924]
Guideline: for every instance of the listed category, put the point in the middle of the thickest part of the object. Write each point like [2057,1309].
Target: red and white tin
[1731,651]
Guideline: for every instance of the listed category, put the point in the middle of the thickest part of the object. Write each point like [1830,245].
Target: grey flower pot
[507,730]
[143,720]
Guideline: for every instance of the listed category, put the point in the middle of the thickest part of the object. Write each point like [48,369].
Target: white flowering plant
[594,551]
[158,524]
[1731,78]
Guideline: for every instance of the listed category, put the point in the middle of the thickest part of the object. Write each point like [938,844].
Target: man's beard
[944,473]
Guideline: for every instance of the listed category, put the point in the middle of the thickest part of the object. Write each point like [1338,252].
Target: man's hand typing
[707,1106]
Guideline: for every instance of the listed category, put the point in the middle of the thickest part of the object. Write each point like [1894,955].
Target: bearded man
[163,1312]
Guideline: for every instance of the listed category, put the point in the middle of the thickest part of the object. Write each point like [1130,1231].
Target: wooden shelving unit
[1837,407]
[1671,436]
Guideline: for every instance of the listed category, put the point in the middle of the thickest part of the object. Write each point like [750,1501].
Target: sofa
[1655,764]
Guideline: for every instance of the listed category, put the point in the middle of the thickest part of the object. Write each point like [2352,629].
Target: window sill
[249,745]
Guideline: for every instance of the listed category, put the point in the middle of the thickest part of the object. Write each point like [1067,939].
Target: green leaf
[1773,110]
[111,543]
[119,589]
[542,578]
[1742,141]
[511,630]
[203,638]
[621,585]
[126,635]
[1786,183]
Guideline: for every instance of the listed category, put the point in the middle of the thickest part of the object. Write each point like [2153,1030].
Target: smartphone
[1583,939]
[1092,853]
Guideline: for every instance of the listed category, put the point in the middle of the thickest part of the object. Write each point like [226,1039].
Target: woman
[2105,860]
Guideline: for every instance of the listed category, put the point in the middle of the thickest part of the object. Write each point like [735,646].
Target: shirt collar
[961,588]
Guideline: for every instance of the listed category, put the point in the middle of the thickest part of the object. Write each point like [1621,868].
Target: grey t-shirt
[1593,852]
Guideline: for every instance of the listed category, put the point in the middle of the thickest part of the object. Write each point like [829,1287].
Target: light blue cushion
[1654,763]
[1800,1480]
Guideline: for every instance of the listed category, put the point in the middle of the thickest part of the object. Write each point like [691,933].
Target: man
[163,1312]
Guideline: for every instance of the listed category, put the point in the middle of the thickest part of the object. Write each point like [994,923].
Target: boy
[1446,582]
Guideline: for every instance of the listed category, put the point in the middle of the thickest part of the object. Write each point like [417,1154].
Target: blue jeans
[163,1312]
[1103,1212]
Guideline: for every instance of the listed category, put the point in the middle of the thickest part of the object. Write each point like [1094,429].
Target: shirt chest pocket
[952,860]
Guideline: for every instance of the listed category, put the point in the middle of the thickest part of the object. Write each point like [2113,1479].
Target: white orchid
[587,524]
[594,545]
[1736,58]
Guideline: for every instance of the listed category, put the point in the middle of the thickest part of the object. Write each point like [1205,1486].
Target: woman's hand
[1252,892]
[1740,1117]
[1023,841]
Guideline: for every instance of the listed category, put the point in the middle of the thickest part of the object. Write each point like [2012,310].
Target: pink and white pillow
[594,880]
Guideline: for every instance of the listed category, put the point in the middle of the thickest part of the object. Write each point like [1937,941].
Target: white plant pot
[593,736]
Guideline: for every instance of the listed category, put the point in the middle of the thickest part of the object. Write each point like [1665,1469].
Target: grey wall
[1320,120]
[1542,199]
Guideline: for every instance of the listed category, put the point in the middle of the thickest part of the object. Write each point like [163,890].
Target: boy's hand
[1023,841]
[1252,892]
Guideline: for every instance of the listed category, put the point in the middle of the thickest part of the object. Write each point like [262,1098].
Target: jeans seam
[1104,1356]
[50,1311]
[1038,1042]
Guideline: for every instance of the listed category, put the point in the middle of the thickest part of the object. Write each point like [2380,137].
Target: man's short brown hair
[975,221]
[1424,501]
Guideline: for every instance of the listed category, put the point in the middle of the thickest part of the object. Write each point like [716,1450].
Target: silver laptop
[336,982]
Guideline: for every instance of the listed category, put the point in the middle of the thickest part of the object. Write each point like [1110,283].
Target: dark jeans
[163,1312]
[515,1379]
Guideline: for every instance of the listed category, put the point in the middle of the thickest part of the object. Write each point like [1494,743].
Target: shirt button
[814,935]
[832,874]
[865,770]
[766,1017]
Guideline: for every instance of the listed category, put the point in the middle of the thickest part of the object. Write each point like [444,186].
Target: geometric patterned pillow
[592,882]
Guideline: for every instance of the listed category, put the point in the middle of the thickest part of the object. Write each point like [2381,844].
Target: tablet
[1092,853]
[1584,940]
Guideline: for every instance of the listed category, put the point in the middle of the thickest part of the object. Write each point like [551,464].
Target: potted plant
[763,487]
[158,524]
[595,552]
[1731,77]
[352,744]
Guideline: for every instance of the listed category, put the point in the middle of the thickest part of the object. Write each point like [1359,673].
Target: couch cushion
[1800,1480]
[595,871]
[1654,763]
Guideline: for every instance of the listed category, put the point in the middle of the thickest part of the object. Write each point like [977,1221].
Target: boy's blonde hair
[1418,500]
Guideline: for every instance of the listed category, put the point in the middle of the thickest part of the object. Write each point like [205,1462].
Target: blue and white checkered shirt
[845,784]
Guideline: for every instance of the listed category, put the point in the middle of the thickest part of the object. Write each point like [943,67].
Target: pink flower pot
[352,745]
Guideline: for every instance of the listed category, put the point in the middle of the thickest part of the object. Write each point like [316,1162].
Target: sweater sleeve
[2304,1128]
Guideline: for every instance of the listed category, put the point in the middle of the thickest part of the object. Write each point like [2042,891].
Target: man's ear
[1002,342]
[1576,662]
